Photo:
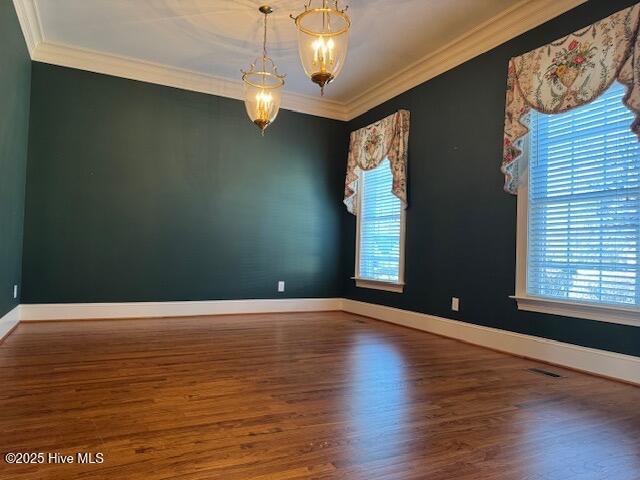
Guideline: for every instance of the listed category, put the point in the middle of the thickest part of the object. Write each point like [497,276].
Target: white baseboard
[87,311]
[591,360]
[9,321]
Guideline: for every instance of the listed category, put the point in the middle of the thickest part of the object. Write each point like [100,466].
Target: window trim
[565,308]
[361,282]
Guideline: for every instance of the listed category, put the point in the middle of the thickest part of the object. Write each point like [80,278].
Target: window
[579,216]
[380,232]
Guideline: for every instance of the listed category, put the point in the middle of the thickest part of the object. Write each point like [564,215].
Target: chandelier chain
[264,39]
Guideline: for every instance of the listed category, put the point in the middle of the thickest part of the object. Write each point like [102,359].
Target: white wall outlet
[281,286]
[455,304]
[15,291]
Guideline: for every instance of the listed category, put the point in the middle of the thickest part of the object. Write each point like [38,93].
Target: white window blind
[584,204]
[380,220]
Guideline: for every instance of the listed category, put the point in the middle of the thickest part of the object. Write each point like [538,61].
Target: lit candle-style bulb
[264,103]
[316,49]
[330,46]
[323,55]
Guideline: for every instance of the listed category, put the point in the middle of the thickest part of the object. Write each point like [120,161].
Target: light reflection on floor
[377,398]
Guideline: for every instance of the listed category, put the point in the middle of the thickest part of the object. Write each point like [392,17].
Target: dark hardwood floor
[301,396]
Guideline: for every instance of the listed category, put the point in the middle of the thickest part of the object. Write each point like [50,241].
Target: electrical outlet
[281,286]
[455,304]
[15,291]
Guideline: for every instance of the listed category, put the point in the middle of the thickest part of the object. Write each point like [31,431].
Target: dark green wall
[461,226]
[139,192]
[15,77]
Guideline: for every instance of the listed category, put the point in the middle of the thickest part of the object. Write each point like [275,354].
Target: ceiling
[219,37]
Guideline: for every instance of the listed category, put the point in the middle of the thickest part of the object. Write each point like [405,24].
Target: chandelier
[323,38]
[262,84]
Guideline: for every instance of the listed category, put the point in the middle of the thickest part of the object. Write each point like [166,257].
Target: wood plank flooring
[301,396]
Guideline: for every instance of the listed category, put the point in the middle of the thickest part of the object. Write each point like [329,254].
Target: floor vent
[545,372]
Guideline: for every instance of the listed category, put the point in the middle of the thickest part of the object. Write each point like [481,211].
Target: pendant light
[323,40]
[262,84]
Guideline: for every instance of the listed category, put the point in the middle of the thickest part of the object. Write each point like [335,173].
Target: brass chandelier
[323,39]
[263,84]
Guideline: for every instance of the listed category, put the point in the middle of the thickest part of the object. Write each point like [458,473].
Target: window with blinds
[584,204]
[380,227]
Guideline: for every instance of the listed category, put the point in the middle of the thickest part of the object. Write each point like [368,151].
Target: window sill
[378,285]
[589,311]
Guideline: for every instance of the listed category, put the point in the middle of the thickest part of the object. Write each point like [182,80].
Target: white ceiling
[201,45]
[218,37]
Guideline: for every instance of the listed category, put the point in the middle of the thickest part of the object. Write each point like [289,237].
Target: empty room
[320,240]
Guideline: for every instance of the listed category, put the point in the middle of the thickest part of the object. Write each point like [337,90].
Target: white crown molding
[510,23]
[144,71]
[523,16]
[29,19]
[95,311]
[590,360]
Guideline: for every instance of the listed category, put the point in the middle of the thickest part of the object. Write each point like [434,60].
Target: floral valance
[569,73]
[387,138]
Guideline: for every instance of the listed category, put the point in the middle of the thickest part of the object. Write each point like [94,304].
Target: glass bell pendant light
[262,84]
[323,40]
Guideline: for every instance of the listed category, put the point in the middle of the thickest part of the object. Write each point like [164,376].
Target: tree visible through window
[584,204]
